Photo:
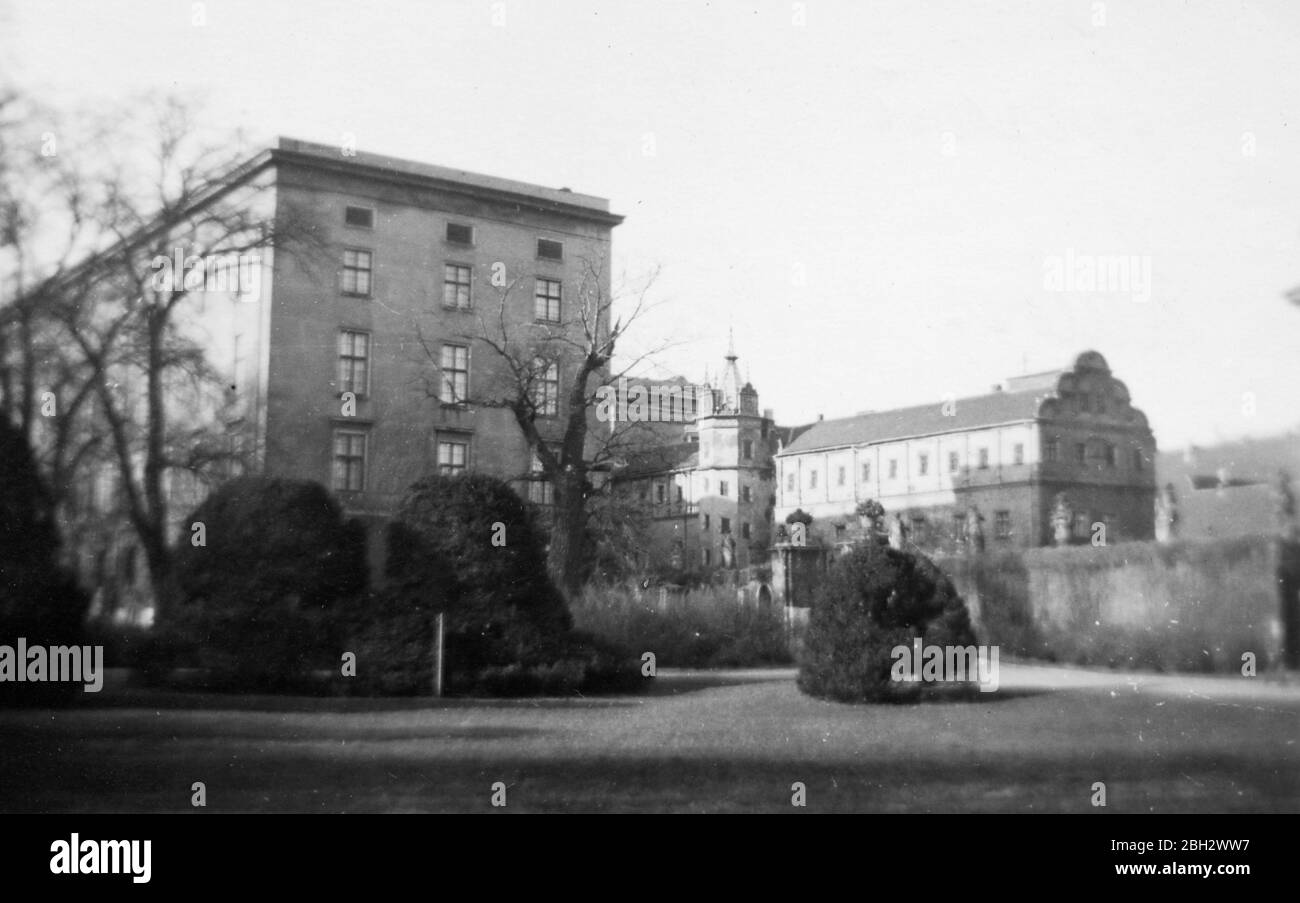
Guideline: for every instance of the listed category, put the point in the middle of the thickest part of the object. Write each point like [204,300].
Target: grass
[697,742]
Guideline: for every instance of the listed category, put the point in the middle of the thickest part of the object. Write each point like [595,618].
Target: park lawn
[697,742]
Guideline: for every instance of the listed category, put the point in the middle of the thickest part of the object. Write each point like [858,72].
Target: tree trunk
[567,557]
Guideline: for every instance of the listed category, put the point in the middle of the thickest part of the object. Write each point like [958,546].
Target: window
[546,301]
[361,217]
[922,464]
[1082,525]
[984,459]
[550,250]
[706,523]
[723,487]
[356,272]
[1052,450]
[744,530]
[747,449]
[455,374]
[954,462]
[812,479]
[455,286]
[1138,462]
[746,494]
[660,493]
[1080,453]
[460,234]
[349,461]
[1018,453]
[839,477]
[1112,456]
[452,456]
[893,468]
[866,472]
[546,392]
[789,482]
[725,525]
[958,526]
[354,356]
[540,491]
[1002,524]
[707,555]
[679,493]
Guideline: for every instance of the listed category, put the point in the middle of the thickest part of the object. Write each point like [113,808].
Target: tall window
[455,285]
[349,461]
[723,487]
[540,491]
[1080,453]
[660,493]
[1138,461]
[866,472]
[452,456]
[354,366]
[954,462]
[725,525]
[546,393]
[747,449]
[1052,450]
[706,523]
[546,301]
[746,494]
[789,482]
[1002,524]
[1018,453]
[1112,456]
[455,374]
[356,272]
[744,530]
[922,464]
[812,479]
[839,477]
[984,459]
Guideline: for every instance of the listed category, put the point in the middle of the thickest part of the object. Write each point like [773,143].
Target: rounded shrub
[876,598]
[258,598]
[39,600]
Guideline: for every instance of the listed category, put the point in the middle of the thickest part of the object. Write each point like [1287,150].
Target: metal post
[437,667]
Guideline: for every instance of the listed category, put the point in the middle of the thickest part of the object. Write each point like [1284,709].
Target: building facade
[1008,464]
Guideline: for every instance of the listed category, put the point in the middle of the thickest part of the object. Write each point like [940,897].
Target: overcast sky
[875,195]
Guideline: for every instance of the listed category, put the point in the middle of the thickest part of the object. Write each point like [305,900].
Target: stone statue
[1285,502]
[1167,514]
[1062,519]
[729,552]
[974,529]
[897,532]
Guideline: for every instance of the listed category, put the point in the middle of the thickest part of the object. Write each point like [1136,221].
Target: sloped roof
[922,420]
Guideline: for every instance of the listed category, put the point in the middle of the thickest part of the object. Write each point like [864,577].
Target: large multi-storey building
[1067,440]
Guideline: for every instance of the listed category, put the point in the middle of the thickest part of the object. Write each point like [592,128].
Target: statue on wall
[897,532]
[974,529]
[1062,519]
[1167,514]
[1285,502]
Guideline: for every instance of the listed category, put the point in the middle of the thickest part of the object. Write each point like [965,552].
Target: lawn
[697,742]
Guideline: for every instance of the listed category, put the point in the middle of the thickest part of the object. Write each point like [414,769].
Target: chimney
[819,418]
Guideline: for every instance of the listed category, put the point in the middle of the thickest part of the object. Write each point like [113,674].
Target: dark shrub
[39,600]
[259,599]
[501,606]
[874,599]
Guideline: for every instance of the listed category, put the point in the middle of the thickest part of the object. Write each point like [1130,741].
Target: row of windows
[354,373]
[356,278]
[724,490]
[1097,453]
[724,525]
[457,233]
[350,451]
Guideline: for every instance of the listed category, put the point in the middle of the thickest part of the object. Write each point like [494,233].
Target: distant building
[1010,454]
[1230,488]
[706,497]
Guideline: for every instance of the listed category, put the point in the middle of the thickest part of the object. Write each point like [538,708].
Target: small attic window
[550,250]
[361,217]
[460,234]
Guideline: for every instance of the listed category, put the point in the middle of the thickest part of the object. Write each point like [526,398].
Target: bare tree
[531,360]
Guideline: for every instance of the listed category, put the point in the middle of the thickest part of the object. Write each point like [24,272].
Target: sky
[889,203]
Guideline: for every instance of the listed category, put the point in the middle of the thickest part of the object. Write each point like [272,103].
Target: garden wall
[1185,606]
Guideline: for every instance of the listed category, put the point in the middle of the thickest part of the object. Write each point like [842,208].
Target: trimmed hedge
[873,599]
